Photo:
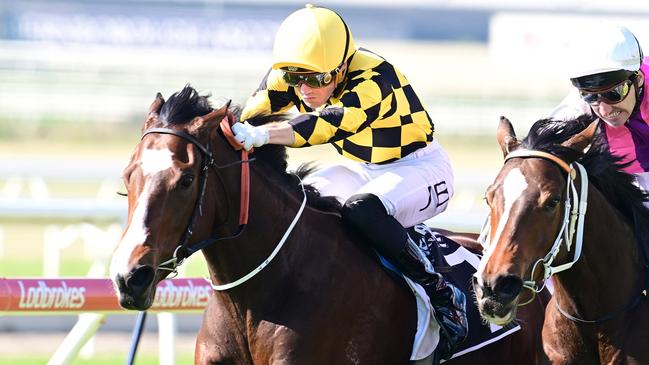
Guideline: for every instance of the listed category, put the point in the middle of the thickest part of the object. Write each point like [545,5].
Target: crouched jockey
[362,105]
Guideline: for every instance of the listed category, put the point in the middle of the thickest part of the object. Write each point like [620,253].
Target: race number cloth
[463,263]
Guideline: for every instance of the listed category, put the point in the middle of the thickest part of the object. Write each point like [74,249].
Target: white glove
[249,135]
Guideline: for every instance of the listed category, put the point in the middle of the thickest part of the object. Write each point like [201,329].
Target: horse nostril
[140,278]
[507,288]
[120,282]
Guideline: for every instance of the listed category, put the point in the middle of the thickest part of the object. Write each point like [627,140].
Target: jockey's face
[617,114]
[316,97]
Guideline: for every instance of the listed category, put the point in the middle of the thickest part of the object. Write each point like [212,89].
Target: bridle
[572,227]
[574,214]
[184,249]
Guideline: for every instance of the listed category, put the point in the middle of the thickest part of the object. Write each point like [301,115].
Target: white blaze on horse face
[153,161]
[513,187]
[135,235]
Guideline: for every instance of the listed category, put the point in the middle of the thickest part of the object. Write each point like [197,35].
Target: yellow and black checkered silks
[376,116]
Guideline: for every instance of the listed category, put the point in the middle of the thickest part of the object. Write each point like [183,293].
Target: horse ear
[211,119]
[218,114]
[506,136]
[583,139]
[154,110]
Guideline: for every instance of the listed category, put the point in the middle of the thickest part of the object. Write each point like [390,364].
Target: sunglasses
[315,80]
[613,95]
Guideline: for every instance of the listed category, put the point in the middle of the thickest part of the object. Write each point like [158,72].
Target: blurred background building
[104,60]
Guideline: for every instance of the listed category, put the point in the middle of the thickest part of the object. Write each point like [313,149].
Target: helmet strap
[637,90]
[341,76]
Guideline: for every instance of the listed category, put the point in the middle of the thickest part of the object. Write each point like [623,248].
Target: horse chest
[568,343]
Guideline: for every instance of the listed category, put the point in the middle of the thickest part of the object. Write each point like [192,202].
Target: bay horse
[293,287]
[557,211]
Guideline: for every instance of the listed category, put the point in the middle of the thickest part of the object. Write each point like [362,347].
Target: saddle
[457,264]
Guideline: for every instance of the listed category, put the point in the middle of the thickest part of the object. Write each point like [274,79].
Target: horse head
[527,216]
[165,182]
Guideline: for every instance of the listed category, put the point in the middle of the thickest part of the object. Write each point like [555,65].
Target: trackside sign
[94,295]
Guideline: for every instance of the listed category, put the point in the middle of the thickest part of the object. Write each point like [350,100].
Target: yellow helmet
[314,39]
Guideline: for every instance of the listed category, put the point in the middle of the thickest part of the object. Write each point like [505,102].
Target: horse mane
[185,105]
[604,168]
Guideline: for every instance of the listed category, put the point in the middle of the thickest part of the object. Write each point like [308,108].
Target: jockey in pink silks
[609,83]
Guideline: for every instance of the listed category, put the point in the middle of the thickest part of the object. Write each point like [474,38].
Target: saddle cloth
[443,252]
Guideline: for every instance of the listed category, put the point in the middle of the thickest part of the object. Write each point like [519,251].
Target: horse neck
[609,272]
[272,210]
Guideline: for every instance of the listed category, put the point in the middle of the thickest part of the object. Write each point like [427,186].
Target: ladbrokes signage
[43,296]
[94,295]
[187,295]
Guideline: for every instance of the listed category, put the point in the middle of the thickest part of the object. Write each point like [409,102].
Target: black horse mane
[604,169]
[184,105]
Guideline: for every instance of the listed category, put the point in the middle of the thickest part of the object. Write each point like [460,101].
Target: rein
[574,217]
[184,250]
[227,131]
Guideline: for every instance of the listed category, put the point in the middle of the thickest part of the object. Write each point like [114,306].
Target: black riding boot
[447,300]
[366,215]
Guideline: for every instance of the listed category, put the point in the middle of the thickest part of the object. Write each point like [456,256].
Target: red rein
[226,124]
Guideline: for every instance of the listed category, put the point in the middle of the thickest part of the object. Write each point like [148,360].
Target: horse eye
[186,181]
[553,203]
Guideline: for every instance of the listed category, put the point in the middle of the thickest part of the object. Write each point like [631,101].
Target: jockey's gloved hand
[250,136]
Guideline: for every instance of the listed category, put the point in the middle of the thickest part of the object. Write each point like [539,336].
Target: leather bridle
[184,249]
[574,217]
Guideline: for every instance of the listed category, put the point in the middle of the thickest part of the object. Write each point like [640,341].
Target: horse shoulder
[221,338]
[364,310]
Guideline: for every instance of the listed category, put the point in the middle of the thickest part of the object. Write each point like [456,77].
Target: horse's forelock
[183,106]
[548,134]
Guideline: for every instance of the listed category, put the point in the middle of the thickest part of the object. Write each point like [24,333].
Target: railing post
[167,338]
[83,330]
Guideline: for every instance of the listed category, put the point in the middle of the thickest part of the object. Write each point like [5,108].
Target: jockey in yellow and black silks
[398,174]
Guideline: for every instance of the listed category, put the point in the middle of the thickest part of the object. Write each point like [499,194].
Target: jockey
[609,83]
[362,105]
